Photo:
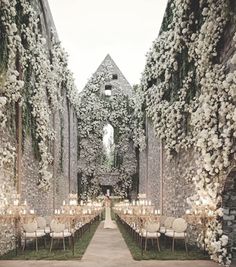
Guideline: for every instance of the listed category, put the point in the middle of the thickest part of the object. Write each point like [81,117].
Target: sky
[91,29]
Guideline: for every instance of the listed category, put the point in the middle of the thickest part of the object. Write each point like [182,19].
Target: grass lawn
[165,254]
[57,253]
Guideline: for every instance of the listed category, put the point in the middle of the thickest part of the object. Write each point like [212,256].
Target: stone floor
[107,249]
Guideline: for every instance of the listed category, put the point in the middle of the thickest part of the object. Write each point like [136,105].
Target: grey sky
[90,29]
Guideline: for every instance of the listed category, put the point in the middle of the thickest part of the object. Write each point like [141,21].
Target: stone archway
[229,206]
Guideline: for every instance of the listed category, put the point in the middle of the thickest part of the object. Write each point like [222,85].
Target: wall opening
[108,90]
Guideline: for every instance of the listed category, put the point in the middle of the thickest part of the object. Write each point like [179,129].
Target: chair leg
[64,247]
[145,244]
[186,247]
[36,243]
[141,243]
[45,242]
[173,244]
[51,244]
[158,244]
[24,246]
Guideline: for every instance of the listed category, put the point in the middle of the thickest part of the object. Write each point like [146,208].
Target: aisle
[107,249]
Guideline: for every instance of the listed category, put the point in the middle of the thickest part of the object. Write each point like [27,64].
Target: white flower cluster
[45,74]
[94,112]
[7,156]
[191,100]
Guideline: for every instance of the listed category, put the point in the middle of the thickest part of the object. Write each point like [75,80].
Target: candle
[187,211]
[155,212]
[64,202]
[133,202]
[16,202]
[149,202]
[158,211]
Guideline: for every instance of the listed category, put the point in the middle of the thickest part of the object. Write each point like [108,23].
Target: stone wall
[174,175]
[63,150]
[229,205]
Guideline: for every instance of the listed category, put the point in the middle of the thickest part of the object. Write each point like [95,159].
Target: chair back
[48,220]
[162,220]
[152,227]
[168,222]
[179,225]
[57,227]
[30,227]
[41,221]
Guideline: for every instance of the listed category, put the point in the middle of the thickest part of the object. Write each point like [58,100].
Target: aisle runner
[107,249]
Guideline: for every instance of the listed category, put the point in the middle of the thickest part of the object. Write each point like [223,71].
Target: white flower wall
[190,97]
[31,71]
[95,111]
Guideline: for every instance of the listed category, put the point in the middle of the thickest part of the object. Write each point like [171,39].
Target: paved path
[107,249]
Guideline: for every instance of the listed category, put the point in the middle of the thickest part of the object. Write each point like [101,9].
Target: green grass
[165,253]
[57,253]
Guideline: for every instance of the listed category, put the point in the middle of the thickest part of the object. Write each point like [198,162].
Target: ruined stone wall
[63,150]
[177,172]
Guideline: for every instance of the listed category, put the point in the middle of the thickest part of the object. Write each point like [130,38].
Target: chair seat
[47,229]
[152,235]
[61,234]
[175,234]
[34,234]
[162,229]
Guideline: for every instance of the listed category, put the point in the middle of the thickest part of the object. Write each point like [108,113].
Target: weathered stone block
[228,217]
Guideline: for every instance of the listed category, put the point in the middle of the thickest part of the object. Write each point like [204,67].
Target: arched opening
[108,145]
[229,206]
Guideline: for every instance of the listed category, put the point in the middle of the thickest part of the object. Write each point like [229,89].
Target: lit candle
[64,203]
[187,211]
[158,211]
[155,212]
[150,203]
